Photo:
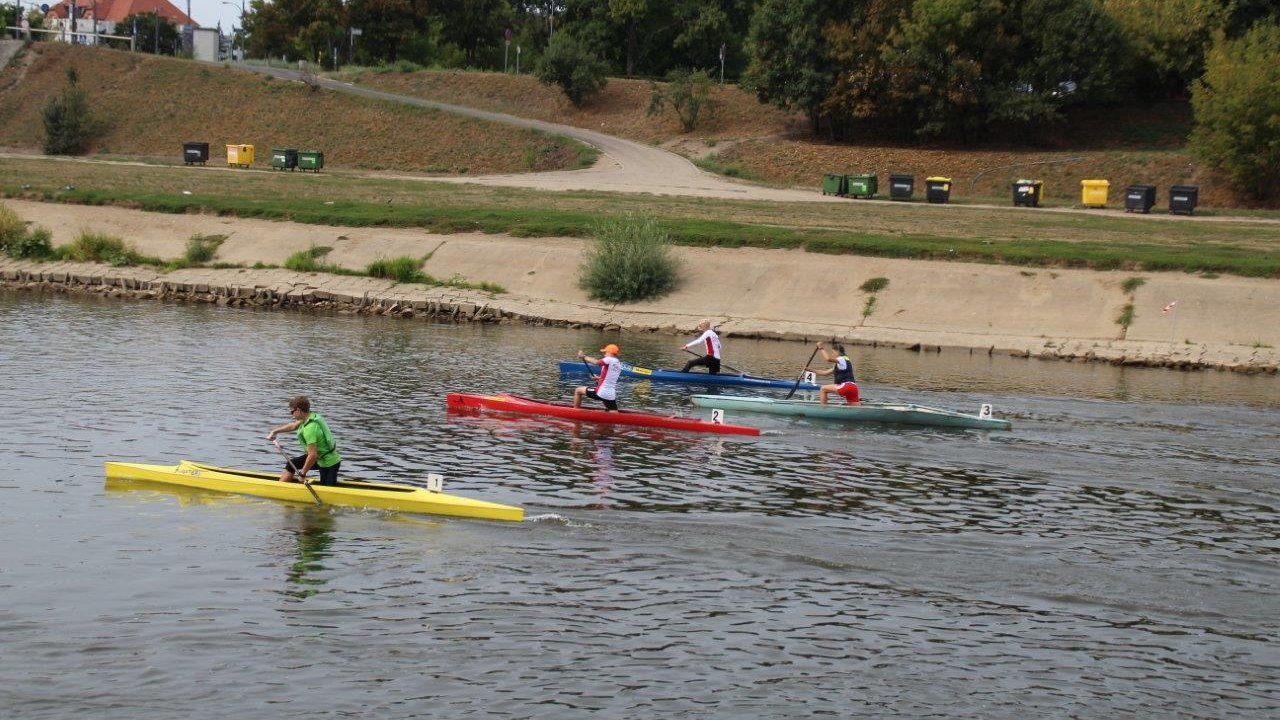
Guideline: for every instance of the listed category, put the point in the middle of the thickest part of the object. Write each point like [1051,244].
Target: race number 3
[985,411]
[717,416]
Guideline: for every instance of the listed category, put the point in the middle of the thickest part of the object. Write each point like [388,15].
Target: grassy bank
[1243,247]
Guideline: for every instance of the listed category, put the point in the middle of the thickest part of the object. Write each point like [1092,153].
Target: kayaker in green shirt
[314,435]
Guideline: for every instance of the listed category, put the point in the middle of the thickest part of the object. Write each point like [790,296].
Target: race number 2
[717,416]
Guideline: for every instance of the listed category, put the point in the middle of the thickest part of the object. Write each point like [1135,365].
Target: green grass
[1132,284]
[202,249]
[401,269]
[1242,247]
[712,165]
[100,247]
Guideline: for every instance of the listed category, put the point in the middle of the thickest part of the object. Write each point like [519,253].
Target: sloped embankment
[151,105]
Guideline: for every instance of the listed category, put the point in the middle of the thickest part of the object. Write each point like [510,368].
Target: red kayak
[503,402]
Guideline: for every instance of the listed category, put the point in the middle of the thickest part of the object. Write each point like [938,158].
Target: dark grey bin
[901,187]
[1139,197]
[1183,199]
[195,152]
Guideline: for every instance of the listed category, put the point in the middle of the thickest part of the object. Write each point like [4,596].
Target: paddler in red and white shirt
[606,389]
[843,383]
[709,345]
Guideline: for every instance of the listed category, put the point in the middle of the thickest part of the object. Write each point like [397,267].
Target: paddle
[288,461]
[806,367]
[726,366]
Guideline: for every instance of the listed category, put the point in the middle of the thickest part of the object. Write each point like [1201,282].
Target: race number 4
[809,377]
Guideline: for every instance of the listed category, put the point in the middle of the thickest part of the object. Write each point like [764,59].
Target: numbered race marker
[435,482]
[809,377]
[717,416]
[985,411]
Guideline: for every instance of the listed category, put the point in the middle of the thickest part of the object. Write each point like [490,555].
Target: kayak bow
[506,403]
[349,492]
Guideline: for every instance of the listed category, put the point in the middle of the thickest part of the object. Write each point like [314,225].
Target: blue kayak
[635,372]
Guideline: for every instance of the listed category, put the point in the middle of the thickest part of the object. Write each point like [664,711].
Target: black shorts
[328,476]
[712,364]
[608,404]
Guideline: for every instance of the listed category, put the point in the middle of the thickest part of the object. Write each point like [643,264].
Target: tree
[1237,110]
[155,34]
[688,94]
[68,126]
[578,72]
[387,26]
[473,25]
[789,57]
[1168,40]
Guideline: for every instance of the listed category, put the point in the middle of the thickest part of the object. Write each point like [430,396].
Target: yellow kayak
[349,492]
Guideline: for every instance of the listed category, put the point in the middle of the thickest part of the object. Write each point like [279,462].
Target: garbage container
[284,159]
[1140,198]
[1027,192]
[833,184]
[312,160]
[1093,193]
[240,155]
[195,152]
[937,189]
[861,186]
[901,186]
[1183,198]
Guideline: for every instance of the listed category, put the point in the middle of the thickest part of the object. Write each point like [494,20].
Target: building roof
[117,10]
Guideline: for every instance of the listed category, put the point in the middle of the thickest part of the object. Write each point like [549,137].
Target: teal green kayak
[902,413]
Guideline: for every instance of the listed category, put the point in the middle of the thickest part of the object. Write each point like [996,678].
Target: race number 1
[717,416]
[435,482]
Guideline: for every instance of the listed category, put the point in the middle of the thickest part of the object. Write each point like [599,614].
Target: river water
[1115,555]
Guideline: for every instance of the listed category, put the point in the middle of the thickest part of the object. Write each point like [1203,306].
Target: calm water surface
[1113,556]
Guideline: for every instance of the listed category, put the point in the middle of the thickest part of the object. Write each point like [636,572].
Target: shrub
[100,247]
[203,248]
[630,260]
[36,244]
[688,94]
[308,260]
[1236,104]
[567,63]
[874,285]
[1131,284]
[12,225]
[401,269]
[68,127]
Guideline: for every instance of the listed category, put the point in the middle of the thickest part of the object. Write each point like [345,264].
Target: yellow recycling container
[240,155]
[1093,193]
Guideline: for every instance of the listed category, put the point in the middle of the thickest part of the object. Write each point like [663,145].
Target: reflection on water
[1107,558]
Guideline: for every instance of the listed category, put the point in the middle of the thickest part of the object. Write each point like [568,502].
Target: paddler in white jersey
[843,383]
[606,389]
[708,346]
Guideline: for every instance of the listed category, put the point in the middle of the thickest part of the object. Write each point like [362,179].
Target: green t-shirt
[315,430]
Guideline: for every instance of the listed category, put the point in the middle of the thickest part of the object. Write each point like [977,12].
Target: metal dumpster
[1093,193]
[1027,192]
[1183,199]
[284,159]
[195,152]
[901,187]
[861,186]
[312,160]
[240,155]
[833,184]
[1140,198]
[937,189]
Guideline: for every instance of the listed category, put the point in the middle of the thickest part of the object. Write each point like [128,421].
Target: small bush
[567,63]
[874,285]
[68,126]
[36,244]
[688,94]
[308,260]
[401,269]
[630,260]
[203,248]
[100,247]
[869,307]
[1131,284]
[1125,319]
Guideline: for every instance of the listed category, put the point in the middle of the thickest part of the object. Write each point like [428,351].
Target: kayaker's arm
[828,371]
[287,427]
[588,358]
[310,462]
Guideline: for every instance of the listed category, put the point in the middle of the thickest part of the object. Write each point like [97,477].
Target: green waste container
[861,186]
[284,159]
[937,189]
[833,184]
[312,160]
